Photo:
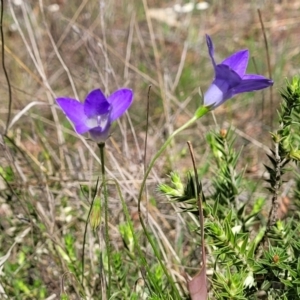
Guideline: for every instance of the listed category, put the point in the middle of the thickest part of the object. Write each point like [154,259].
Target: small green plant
[252,256]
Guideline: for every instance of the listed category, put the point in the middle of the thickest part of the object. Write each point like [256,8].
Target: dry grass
[111,44]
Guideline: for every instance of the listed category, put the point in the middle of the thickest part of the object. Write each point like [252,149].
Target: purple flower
[97,112]
[230,78]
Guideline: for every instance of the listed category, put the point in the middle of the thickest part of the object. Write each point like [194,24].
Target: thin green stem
[101,148]
[84,240]
[129,221]
[85,234]
[158,154]
[198,114]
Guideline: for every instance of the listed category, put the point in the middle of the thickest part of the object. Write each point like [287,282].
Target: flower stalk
[199,113]
[101,147]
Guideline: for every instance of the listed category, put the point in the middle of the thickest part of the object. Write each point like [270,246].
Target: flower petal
[218,93]
[96,104]
[222,87]
[253,76]
[223,72]
[249,85]
[120,101]
[214,96]
[210,47]
[238,62]
[74,110]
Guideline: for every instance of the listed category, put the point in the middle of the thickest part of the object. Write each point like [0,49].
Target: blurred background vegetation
[66,48]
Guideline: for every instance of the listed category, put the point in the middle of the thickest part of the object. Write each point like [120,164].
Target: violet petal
[120,101]
[223,72]
[96,104]
[254,76]
[210,46]
[249,85]
[74,110]
[238,62]
[218,92]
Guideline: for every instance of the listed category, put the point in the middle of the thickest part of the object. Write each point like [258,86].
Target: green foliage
[7,173]
[45,163]
[289,121]
[228,180]
[127,236]
[252,256]
[29,286]
[229,285]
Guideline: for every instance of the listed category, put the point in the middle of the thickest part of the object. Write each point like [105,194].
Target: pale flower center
[98,121]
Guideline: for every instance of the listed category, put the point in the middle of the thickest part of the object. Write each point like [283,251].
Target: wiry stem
[4,67]
[157,155]
[273,214]
[84,241]
[101,148]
